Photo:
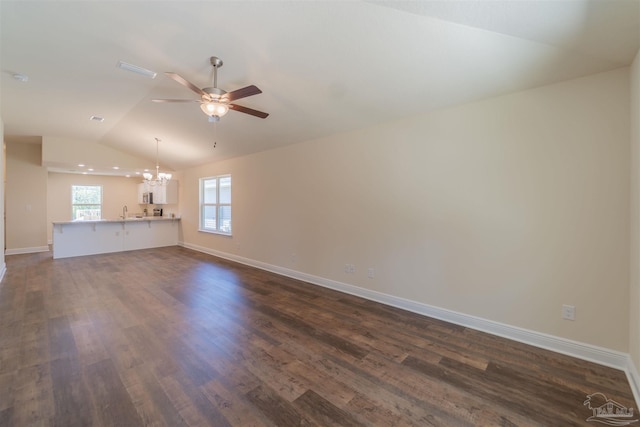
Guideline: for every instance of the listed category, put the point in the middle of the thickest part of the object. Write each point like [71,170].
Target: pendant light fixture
[161,177]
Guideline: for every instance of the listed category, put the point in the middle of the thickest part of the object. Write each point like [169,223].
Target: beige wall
[503,209]
[116,192]
[3,169]
[634,291]
[26,198]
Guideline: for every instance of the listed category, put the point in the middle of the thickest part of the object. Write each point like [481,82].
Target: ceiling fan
[214,101]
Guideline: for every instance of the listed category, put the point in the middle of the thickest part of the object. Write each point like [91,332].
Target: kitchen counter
[119,220]
[78,238]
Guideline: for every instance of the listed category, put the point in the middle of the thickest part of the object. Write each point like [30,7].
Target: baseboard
[2,272]
[32,250]
[634,380]
[592,353]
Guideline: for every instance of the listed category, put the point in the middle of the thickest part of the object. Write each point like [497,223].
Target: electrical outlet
[568,312]
[349,268]
[371,273]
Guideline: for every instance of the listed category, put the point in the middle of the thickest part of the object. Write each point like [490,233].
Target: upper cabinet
[141,191]
[166,194]
[160,194]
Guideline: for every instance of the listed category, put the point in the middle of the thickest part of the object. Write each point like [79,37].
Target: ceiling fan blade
[246,110]
[242,93]
[175,100]
[186,83]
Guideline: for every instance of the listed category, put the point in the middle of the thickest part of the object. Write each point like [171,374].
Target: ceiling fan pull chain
[215,134]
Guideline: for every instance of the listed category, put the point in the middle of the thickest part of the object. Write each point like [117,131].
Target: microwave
[147,198]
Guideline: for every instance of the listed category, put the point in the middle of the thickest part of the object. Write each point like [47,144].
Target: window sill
[221,233]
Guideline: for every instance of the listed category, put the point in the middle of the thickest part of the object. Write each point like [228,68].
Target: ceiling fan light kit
[217,107]
[215,102]
[214,109]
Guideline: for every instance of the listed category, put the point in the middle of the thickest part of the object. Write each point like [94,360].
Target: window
[86,202]
[215,204]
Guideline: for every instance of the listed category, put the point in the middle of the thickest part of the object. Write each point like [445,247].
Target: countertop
[119,220]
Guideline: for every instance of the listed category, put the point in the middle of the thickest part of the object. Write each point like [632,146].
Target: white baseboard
[32,250]
[584,351]
[634,380]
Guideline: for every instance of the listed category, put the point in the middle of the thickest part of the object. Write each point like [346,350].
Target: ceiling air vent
[135,69]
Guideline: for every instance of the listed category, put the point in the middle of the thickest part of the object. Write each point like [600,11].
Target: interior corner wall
[26,196]
[634,290]
[503,209]
[2,197]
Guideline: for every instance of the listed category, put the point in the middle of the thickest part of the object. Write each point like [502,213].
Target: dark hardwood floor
[173,337]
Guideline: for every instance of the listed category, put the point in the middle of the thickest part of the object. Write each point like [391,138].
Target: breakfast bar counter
[78,238]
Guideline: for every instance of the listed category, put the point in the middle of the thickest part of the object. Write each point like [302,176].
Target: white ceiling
[324,66]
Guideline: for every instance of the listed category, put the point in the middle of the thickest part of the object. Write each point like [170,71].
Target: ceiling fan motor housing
[214,92]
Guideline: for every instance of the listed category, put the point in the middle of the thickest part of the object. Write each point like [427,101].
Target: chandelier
[161,177]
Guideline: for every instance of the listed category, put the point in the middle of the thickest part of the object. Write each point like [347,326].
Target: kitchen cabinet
[166,194]
[149,234]
[162,194]
[86,238]
[78,238]
[141,191]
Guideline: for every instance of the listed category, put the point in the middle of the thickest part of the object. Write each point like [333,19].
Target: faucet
[124,212]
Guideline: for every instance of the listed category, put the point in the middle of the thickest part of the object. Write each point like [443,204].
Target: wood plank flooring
[173,337]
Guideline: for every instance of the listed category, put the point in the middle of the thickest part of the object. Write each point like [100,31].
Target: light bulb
[221,110]
[214,108]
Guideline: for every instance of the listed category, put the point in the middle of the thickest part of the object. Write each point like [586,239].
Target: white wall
[503,209]
[634,290]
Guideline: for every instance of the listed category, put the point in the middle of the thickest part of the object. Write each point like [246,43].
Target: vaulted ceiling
[324,66]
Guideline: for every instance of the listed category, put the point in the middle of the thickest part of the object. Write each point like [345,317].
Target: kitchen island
[78,238]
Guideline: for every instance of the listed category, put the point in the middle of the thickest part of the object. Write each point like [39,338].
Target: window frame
[219,228]
[80,205]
